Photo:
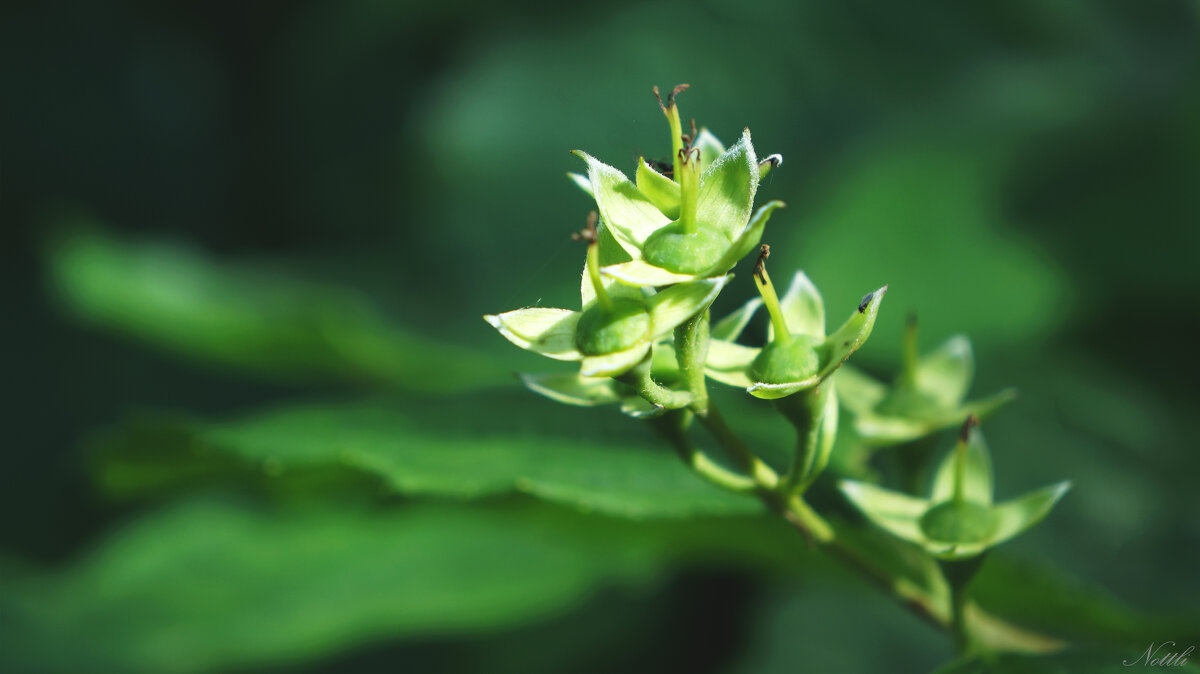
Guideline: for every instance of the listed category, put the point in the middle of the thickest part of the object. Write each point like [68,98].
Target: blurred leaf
[1055,603]
[421,448]
[251,318]
[211,584]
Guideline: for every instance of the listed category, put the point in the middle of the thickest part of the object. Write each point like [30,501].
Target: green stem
[691,351]
[672,427]
[805,411]
[958,575]
[712,420]
[653,392]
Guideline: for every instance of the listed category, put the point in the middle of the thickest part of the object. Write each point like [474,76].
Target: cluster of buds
[659,250]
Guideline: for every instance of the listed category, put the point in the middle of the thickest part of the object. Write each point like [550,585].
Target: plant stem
[691,351]
[653,392]
[712,420]
[672,426]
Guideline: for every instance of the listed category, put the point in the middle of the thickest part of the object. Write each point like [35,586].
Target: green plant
[658,255]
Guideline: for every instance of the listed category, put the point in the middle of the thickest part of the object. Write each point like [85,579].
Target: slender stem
[672,427]
[712,420]
[691,352]
[653,392]
[805,410]
[807,520]
[593,265]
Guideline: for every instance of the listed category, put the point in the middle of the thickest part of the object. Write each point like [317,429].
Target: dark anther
[689,140]
[866,301]
[659,98]
[911,321]
[588,233]
[971,422]
[760,267]
[679,89]
[774,160]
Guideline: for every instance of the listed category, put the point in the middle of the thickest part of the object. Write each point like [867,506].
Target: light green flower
[928,395]
[616,325]
[798,355]
[696,222]
[958,520]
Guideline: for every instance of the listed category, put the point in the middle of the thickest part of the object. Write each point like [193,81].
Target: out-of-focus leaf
[212,584]
[1055,603]
[251,318]
[422,448]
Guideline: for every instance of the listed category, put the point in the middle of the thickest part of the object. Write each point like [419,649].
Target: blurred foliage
[314,202]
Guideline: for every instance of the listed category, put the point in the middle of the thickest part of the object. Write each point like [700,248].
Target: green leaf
[727,189]
[212,585]
[432,448]
[1016,516]
[251,318]
[550,332]
[674,305]
[572,389]
[631,216]
[945,374]
[613,364]
[710,148]
[977,473]
[731,327]
[659,189]
[802,308]
[897,513]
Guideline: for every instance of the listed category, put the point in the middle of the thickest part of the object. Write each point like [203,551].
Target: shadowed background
[1023,173]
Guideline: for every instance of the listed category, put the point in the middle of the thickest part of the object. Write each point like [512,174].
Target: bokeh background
[1020,172]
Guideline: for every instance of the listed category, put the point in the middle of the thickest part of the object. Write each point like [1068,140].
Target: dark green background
[1021,172]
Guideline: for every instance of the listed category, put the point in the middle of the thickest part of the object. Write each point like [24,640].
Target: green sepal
[630,215]
[854,332]
[672,306]
[977,472]
[1016,516]
[729,362]
[573,389]
[640,273]
[613,364]
[898,514]
[659,189]
[710,147]
[731,327]
[727,189]
[945,373]
[747,240]
[803,308]
[550,332]
[581,181]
